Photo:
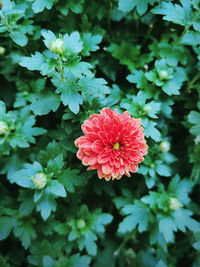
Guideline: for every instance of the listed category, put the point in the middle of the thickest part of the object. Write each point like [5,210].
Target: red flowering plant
[113,144]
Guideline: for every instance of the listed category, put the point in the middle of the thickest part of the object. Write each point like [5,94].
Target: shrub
[60,63]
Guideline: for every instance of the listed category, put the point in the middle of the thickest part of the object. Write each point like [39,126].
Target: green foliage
[62,61]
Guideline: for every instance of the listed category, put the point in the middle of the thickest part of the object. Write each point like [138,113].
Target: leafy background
[141,56]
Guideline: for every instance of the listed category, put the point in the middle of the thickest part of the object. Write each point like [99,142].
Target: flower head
[113,144]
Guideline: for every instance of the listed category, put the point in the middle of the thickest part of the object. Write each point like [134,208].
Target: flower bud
[163,75]
[0,5]
[147,108]
[40,180]
[3,127]
[57,46]
[164,146]
[174,204]
[197,140]
[81,224]
[2,50]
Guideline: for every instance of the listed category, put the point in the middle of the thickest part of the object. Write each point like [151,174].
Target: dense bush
[60,62]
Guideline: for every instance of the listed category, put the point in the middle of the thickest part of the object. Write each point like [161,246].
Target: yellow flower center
[116,146]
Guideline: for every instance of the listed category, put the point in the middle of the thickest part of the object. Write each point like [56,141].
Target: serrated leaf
[141,5]
[90,43]
[43,103]
[6,226]
[139,214]
[73,43]
[182,219]
[32,63]
[45,205]
[49,36]
[137,77]
[167,227]
[56,188]
[71,178]
[40,5]
[176,13]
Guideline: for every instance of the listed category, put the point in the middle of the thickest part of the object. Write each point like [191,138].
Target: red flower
[113,144]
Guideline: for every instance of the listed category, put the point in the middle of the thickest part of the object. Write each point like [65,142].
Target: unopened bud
[3,127]
[40,180]
[164,146]
[147,108]
[197,140]
[2,50]
[163,75]
[174,204]
[57,46]
[81,224]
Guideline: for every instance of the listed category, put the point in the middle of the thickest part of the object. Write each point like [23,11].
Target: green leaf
[196,245]
[49,36]
[54,166]
[26,233]
[191,38]
[194,118]
[93,88]
[167,227]
[73,43]
[88,243]
[76,260]
[176,13]
[173,86]
[90,43]
[71,178]
[103,219]
[6,226]
[40,5]
[45,205]
[48,261]
[56,188]
[137,214]
[126,53]
[32,63]
[126,6]
[19,38]
[163,169]
[69,92]
[141,5]
[182,219]
[150,130]
[137,77]
[43,103]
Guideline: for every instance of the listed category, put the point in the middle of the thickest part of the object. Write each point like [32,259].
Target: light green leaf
[40,5]
[167,227]
[43,103]
[19,38]
[139,214]
[56,188]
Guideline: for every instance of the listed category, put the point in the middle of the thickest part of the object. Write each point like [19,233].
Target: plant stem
[61,68]
[5,22]
[191,83]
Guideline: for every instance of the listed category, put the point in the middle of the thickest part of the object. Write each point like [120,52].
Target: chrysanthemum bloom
[113,144]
